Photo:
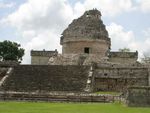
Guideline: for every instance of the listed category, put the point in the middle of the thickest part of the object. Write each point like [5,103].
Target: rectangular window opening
[87,50]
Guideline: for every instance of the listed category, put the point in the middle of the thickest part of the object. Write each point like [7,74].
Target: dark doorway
[86,50]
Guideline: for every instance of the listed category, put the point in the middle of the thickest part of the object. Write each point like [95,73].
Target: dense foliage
[11,51]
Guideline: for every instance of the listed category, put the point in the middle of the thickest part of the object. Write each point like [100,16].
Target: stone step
[48,78]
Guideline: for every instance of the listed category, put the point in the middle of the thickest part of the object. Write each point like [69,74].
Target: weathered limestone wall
[123,57]
[123,60]
[42,57]
[75,59]
[148,67]
[149,75]
[138,96]
[95,47]
[39,60]
[118,79]
[149,78]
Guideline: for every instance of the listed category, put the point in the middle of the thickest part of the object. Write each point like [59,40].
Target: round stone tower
[86,35]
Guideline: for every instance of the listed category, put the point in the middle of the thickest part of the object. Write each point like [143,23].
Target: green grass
[41,107]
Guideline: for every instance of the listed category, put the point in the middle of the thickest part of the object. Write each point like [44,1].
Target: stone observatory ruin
[85,66]
[86,35]
[84,41]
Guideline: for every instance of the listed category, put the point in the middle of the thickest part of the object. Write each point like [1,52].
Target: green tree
[124,50]
[11,51]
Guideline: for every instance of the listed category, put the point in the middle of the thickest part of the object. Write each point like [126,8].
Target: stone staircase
[3,71]
[90,81]
[5,75]
[46,78]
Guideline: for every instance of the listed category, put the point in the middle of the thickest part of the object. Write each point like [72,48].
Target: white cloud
[40,22]
[79,9]
[147,32]
[145,5]
[107,7]
[46,40]
[6,5]
[145,45]
[41,14]
[121,38]
[112,7]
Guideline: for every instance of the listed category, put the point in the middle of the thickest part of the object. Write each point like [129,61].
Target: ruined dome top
[93,12]
[88,26]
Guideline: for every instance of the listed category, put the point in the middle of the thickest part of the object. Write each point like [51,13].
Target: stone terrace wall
[8,63]
[118,79]
[42,78]
[139,96]
[123,57]
[55,97]
[41,57]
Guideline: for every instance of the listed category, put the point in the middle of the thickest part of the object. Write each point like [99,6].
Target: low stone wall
[75,59]
[138,96]
[55,97]
[123,57]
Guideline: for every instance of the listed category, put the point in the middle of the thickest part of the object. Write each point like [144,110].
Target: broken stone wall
[118,79]
[138,96]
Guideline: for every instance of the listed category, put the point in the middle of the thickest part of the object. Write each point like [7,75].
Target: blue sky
[38,24]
